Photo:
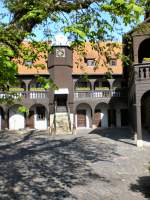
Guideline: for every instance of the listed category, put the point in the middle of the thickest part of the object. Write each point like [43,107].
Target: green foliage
[101,88]
[83,88]
[23,109]
[17,89]
[146,59]
[47,83]
[37,89]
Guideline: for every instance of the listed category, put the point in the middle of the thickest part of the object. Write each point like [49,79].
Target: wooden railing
[100,94]
[142,71]
[24,95]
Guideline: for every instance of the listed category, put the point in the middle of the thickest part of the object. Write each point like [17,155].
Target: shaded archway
[21,86]
[117,84]
[101,84]
[83,85]
[37,117]
[35,85]
[83,116]
[144,50]
[145,110]
[101,115]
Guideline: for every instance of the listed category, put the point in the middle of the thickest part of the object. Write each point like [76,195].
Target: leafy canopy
[81,19]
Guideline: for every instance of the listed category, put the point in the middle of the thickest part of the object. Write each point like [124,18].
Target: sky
[56,28]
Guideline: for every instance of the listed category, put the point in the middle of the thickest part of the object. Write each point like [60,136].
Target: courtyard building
[95,90]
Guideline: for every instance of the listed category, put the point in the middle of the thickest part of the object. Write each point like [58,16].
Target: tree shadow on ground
[41,168]
[143,186]
[118,134]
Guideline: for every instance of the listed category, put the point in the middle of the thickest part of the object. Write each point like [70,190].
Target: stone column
[139,126]
[92,84]
[93,119]
[111,81]
[74,124]
[27,82]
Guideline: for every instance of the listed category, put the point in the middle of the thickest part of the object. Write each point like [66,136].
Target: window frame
[111,62]
[92,61]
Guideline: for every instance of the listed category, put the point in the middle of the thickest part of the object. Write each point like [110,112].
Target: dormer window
[28,63]
[113,62]
[90,62]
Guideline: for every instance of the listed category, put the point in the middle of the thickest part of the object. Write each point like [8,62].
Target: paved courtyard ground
[100,165]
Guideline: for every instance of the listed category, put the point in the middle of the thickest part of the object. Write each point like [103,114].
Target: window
[40,112]
[113,62]
[28,63]
[90,62]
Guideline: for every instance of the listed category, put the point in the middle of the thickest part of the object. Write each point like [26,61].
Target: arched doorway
[145,110]
[143,51]
[83,116]
[38,117]
[16,118]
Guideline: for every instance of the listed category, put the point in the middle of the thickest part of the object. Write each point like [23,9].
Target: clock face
[60,52]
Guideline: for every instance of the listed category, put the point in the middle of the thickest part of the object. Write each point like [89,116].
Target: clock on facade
[60,52]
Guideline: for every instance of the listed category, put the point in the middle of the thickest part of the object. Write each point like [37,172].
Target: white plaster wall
[40,124]
[16,119]
[51,119]
[104,118]
[88,116]
[71,119]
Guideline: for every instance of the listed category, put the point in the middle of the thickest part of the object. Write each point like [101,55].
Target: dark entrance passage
[30,119]
[124,117]
[112,118]
[81,118]
[61,102]
[97,118]
[145,110]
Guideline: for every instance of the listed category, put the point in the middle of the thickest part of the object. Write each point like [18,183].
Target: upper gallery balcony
[99,89]
[21,92]
[100,94]
[23,95]
[142,71]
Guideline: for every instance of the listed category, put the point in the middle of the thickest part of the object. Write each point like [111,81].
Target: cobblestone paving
[101,165]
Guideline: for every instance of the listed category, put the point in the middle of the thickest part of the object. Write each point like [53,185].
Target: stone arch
[143,51]
[16,118]
[83,118]
[38,117]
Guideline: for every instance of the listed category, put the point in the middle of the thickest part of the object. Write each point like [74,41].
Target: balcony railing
[142,71]
[24,95]
[99,94]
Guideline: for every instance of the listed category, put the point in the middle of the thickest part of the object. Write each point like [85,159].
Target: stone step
[62,123]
